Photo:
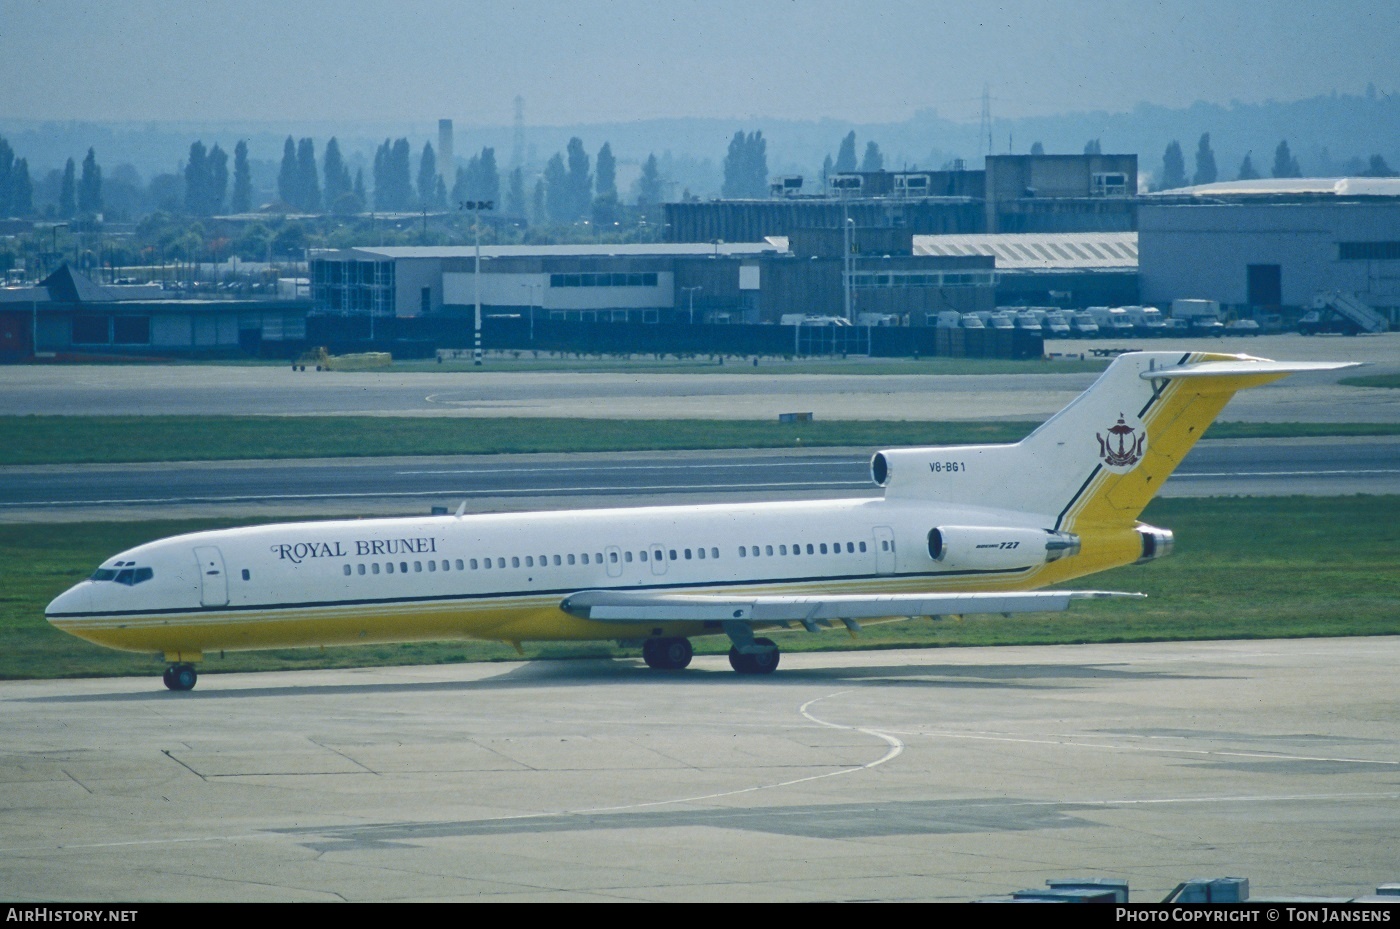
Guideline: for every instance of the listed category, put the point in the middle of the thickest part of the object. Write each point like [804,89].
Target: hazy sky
[587,61]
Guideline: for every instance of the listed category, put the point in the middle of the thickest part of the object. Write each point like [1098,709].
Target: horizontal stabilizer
[1243,365]
[620,606]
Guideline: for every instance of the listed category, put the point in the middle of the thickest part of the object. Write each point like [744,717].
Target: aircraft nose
[76,599]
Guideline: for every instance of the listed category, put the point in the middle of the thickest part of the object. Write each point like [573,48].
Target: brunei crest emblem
[1124,445]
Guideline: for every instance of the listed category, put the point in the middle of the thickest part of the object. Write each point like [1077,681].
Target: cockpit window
[128,576]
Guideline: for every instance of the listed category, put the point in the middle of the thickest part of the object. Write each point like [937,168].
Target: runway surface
[939,775]
[739,393]
[1256,467]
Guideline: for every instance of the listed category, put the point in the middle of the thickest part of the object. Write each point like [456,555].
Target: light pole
[691,291]
[56,227]
[476,206]
[533,288]
[846,267]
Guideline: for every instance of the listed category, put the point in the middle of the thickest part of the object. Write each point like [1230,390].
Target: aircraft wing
[626,606]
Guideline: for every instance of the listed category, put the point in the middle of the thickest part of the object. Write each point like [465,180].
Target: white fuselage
[503,576]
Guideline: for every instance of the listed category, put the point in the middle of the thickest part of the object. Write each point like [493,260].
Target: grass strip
[38,440]
[1244,568]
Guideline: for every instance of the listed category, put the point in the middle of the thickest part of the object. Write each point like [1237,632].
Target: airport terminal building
[720,283]
[1273,245]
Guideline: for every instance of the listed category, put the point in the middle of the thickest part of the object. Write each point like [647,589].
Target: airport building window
[91,330]
[1368,251]
[610,279]
[131,330]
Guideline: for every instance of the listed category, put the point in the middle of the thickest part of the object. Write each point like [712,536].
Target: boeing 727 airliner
[959,530]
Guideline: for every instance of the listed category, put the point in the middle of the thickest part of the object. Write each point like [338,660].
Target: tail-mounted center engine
[1156,543]
[989,548]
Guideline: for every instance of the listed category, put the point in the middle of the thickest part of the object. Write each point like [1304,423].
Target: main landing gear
[762,658]
[748,655]
[667,654]
[180,676]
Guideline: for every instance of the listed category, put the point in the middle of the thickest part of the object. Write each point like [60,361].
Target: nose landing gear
[180,676]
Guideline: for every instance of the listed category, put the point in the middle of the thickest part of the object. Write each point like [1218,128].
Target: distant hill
[1324,133]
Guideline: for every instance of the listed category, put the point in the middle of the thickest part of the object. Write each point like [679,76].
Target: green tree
[290,241]
[335,174]
[1173,168]
[90,187]
[846,154]
[580,180]
[489,176]
[539,215]
[558,199]
[308,184]
[827,167]
[242,179]
[196,179]
[1285,165]
[649,189]
[254,242]
[288,178]
[1094,147]
[746,166]
[1037,148]
[68,192]
[217,184]
[515,194]
[21,189]
[1205,162]
[7,175]
[605,177]
[427,177]
[1377,167]
[1247,170]
[873,160]
[393,189]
